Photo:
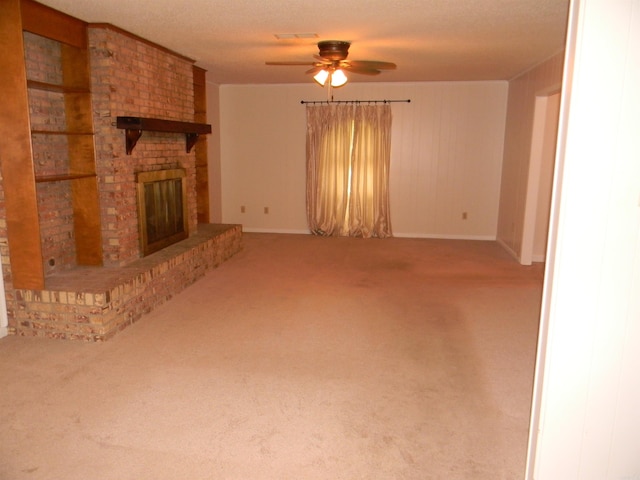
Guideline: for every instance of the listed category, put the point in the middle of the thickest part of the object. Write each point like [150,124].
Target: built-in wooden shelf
[58,132]
[134,126]
[37,41]
[54,87]
[60,178]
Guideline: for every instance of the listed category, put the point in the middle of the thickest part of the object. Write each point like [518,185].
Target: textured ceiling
[428,39]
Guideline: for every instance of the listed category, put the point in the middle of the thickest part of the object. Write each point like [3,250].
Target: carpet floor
[299,358]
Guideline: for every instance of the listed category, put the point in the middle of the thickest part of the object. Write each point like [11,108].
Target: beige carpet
[299,358]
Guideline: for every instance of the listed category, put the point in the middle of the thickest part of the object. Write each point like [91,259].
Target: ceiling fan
[331,63]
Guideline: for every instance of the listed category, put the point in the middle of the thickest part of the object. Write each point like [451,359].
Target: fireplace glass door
[162,209]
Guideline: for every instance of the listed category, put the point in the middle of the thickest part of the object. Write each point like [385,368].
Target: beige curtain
[348,156]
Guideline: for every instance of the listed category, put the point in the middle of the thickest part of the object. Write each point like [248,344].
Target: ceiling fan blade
[289,63]
[315,69]
[373,64]
[361,70]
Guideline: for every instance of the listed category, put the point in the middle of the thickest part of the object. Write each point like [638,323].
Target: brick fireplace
[133,78]
[128,77]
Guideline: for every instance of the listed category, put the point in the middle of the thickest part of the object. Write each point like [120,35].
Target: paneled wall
[545,79]
[446,156]
[585,417]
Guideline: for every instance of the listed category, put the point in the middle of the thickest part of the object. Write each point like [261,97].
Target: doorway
[540,178]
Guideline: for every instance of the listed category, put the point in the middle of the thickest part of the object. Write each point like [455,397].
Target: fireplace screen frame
[150,243]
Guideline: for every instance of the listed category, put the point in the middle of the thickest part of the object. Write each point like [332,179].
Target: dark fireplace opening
[162,208]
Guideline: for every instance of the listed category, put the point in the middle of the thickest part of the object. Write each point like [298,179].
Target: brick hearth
[94,303]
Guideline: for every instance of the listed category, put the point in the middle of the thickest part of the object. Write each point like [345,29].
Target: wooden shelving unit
[201,148]
[73,128]
[80,170]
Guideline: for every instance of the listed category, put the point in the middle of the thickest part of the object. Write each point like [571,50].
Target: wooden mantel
[134,126]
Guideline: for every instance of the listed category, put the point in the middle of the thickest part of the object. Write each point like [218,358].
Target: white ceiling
[428,39]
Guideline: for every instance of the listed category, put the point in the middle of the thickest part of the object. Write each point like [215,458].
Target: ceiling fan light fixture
[321,77]
[338,78]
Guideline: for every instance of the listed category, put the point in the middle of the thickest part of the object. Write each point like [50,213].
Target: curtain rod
[352,101]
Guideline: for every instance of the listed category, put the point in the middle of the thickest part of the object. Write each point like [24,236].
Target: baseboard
[538,258]
[397,235]
[275,230]
[446,237]
[509,250]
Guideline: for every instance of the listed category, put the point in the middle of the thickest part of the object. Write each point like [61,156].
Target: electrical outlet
[266,209]
[243,209]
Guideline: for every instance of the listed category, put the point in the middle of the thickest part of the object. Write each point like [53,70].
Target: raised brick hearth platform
[94,303]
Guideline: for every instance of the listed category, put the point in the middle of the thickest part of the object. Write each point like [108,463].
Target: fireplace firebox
[162,208]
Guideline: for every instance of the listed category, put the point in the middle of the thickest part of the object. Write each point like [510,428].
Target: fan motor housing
[334,50]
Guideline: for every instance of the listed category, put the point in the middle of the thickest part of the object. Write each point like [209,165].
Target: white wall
[446,155]
[586,408]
